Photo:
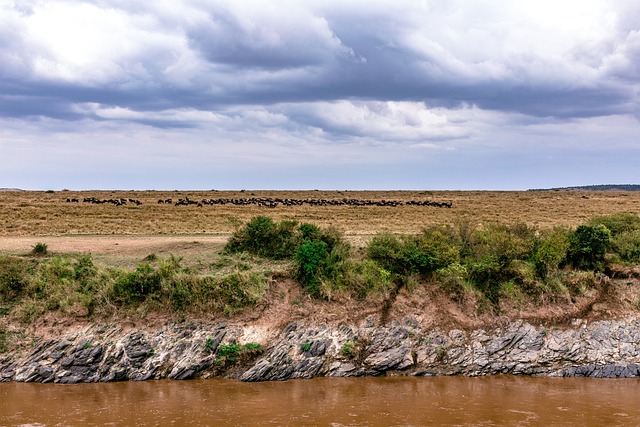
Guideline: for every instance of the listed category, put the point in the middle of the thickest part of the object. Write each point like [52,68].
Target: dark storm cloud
[222,54]
[265,39]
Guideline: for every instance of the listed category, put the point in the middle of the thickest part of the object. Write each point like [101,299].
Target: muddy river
[453,401]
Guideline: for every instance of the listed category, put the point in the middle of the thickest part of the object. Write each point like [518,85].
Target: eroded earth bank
[292,337]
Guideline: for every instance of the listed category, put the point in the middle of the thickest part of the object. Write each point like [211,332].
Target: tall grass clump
[627,246]
[135,286]
[14,277]
[40,249]
[4,339]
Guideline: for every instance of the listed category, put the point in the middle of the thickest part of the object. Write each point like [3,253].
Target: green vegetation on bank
[491,261]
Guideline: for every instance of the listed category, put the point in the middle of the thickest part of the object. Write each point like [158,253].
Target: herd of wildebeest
[269,202]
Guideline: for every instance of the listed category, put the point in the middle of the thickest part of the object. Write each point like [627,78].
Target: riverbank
[604,349]
[292,336]
[281,299]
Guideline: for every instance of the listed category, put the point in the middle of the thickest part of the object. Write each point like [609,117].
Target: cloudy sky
[392,94]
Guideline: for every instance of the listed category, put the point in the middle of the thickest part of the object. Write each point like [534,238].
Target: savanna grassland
[132,231]
[30,213]
[545,255]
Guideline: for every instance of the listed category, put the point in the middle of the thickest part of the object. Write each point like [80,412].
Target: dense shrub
[617,223]
[493,249]
[438,247]
[311,258]
[325,261]
[501,244]
[264,237]
[427,252]
[625,234]
[387,250]
[550,249]
[627,245]
[487,274]
[454,279]
[587,247]
[317,252]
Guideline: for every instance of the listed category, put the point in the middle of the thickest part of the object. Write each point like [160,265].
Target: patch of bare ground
[120,246]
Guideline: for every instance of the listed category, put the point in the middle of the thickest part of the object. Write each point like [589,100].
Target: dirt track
[119,245]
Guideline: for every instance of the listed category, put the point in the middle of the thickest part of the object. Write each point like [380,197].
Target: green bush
[627,245]
[587,247]
[550,249]
[310,231]
[305,346]
[502,244]
[266,238]
[617,223]
[433,249]
[311,258]
[317,252]
[454,279]
[438,249]
[180,295]
[388,251]
[487,274]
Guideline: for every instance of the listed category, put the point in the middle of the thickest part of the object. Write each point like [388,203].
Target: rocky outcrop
[198,350]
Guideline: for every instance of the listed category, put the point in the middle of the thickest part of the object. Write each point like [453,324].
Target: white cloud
[382,121]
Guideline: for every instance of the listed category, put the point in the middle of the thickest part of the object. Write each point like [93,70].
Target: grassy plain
[122,235]
[31,213]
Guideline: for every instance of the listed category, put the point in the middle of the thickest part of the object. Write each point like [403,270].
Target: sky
[326,94]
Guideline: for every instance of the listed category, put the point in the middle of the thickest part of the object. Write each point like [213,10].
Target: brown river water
[398,401]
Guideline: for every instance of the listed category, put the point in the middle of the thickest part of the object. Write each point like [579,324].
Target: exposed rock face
[600,349]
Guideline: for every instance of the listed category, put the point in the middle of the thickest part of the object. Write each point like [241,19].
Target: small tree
[312,258]
[587,246]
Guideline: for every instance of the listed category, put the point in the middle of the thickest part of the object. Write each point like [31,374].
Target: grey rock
[386,360]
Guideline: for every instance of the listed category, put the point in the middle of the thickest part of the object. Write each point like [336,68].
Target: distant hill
[10,189]
[602,187]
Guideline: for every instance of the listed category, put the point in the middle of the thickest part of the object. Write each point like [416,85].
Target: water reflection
[488,401]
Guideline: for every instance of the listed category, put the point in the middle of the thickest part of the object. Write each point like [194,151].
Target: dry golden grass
[29,213]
